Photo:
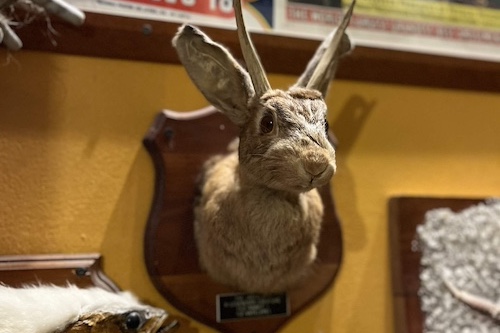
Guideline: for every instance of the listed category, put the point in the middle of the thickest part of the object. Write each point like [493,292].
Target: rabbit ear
[321,68]
[215,72]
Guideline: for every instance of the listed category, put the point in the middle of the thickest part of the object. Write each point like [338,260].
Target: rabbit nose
[315,164]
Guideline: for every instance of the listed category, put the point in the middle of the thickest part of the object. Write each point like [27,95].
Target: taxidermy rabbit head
[284,153]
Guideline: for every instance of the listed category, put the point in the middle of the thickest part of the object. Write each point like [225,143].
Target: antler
[323,69]
[254,66]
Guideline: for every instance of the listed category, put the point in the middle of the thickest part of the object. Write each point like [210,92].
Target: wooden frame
[82,270]
[405,214]
[146,40]
[179,144]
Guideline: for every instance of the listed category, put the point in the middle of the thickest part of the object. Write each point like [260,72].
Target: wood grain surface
[118,37]
[179,143]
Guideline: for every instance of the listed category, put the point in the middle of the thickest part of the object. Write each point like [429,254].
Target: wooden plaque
[179,144]
[405,214]
[82,270]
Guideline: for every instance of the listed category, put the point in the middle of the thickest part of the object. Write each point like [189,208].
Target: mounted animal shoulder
[259,216]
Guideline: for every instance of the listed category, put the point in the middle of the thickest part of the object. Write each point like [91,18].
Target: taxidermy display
[10,14]
[52,309]
[258,217]
[460,275]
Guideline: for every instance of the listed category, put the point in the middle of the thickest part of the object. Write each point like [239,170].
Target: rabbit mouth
[316,182]
[301,181]
[312,183]
[322,178]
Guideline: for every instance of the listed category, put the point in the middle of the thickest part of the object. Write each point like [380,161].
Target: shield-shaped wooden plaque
[179,143]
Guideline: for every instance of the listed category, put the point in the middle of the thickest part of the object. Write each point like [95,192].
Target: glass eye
[327,126]
[133,320]
[267,124]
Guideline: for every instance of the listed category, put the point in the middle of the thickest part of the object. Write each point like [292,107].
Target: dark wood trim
[146,40]
[82,270]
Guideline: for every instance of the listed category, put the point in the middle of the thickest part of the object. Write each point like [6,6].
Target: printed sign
[245,306]
[462,28]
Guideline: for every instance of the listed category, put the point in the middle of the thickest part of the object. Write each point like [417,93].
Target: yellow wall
[75,178]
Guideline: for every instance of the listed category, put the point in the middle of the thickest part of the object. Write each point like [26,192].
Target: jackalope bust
[258,220]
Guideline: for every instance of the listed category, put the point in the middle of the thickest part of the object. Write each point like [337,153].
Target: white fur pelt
[47,309]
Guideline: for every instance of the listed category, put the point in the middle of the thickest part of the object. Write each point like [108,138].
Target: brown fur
[258,219]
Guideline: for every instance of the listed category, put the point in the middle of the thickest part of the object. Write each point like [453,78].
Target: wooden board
[82,270]
[405,214]
[111,36]
[179,143]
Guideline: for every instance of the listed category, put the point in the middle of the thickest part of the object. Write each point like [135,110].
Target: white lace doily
[464,248]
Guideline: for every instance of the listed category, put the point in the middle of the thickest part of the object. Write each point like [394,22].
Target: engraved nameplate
[246,306]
